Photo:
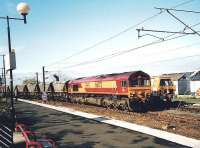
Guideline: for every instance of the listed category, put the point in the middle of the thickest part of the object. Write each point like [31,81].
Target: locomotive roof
[109,77]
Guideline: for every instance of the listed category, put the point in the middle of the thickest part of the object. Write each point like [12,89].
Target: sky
[55,30]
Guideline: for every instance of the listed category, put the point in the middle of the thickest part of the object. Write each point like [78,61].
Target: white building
[195,82]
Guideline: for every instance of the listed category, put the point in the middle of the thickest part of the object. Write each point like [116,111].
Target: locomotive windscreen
[166,82]
[139,81]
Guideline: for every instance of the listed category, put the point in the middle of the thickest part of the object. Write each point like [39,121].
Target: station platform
[70,130]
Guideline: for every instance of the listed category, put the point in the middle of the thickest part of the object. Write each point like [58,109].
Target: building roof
[195,76]
[178,76]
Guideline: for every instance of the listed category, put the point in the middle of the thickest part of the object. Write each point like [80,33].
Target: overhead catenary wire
[183,3]
[118,53]
[109,56]
[180,32]
[104,41]
[159,61]
[183,23]
[167,60]
[114,36]
[190,11]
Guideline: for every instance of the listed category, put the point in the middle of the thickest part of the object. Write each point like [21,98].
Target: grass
[187,98]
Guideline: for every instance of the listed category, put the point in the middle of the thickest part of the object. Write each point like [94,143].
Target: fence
[6,134]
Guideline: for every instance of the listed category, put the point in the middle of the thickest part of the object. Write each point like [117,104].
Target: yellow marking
[109,84]
[97,93]
[103,84]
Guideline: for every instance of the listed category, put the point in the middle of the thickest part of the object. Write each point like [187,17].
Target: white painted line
[157,133]
[196,104]
[139,128]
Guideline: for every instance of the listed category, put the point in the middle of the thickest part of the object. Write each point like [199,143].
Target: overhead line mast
[176,32]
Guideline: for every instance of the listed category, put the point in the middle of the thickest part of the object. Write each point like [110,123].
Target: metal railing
[6,133]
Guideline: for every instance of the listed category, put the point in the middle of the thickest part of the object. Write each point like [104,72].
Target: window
[146,82]
[75,87]
[166,82]
[124,83]
[134,82]
[140,82]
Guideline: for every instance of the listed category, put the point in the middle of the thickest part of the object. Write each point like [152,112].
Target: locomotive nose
[140,93]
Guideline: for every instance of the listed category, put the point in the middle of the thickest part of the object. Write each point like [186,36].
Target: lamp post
[23,9]
[43,74]
[4,75]
[37,78]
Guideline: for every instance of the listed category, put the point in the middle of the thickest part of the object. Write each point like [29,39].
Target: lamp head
[23,9]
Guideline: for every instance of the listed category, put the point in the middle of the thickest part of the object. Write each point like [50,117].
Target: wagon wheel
[115,106]
[105,104]
[125,108]
[69,98]
[83,100]
[73,100]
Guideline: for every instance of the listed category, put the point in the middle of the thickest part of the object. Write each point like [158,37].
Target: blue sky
[57,29]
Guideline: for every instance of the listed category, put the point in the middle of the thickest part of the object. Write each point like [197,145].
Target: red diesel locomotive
[127,91]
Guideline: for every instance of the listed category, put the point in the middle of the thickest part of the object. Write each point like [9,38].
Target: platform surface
[74,131]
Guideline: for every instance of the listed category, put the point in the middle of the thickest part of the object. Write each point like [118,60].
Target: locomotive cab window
[134,82]
[75,87]
[123,83]
[140,82]
[166,82]
[146,82]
